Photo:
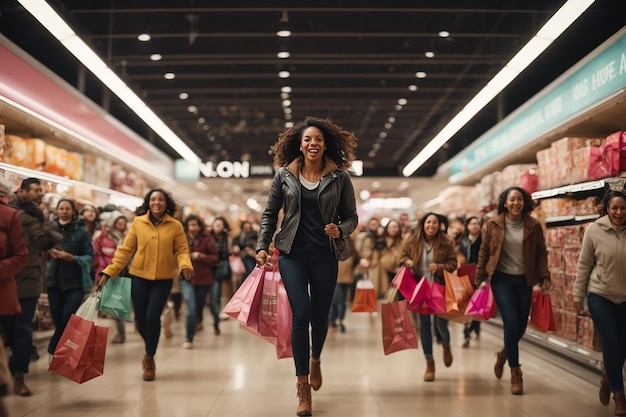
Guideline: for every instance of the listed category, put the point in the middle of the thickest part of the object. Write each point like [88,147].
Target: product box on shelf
[570,259]
[588,206]
[555,259]
[56,160]
[34,157]
[14,150]
[545,168]
[564,153]
[74,167]
[568,293]
[613,150]
[486,196]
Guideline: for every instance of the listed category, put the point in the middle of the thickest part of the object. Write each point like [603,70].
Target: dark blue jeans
[149,298]
[19,332]
[201,292]
[300,272]
[610,320]
[216,301]
[513,297]
[189,295]
[338,308]
[426,333]
[62,305]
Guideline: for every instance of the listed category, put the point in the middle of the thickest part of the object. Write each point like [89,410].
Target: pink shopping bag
[482,305]
[283,324]
[244,305]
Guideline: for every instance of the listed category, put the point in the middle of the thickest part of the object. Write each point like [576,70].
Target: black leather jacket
[335,197]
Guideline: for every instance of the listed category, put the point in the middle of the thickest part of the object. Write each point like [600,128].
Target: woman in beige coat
[345,279]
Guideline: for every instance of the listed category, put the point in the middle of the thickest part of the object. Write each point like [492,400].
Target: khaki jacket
[602,263]
[533,250]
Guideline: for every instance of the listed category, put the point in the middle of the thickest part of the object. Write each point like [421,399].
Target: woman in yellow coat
[157,245]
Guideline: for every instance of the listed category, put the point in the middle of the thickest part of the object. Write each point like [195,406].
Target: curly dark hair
[606,199]
[225,222]
[340,144]
[529,205]
[417,237]
[170,204]
[197,219]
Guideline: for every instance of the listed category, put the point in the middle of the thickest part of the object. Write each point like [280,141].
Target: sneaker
[342,327]
[466,342]
[118,339]
[187,345]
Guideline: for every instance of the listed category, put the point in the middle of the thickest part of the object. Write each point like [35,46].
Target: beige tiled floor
[236,374]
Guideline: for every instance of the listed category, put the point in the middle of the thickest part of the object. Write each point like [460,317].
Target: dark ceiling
[350,62]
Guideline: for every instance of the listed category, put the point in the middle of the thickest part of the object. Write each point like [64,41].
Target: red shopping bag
[469,270]
[541,315]
[266,322]
[482,305]
[364,297]
[458,291]
[79,355]
[244,305]
[283,324]
[398,330]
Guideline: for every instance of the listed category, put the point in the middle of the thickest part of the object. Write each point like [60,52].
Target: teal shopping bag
[116,298]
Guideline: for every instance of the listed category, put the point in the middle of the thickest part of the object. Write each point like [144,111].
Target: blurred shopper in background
[68,263]
[204,256]
[220,230]
[39,235]
[345,278]
[105,244]
[469,248]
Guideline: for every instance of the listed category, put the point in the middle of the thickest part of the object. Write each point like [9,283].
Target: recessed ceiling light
[284,96]
[169,75]
[412,87]
[183,96]
[376,184]
[287,115]
[288,124]
[286,103]
[430,54]
[388,125]
[420,74]
[156,57]
[398,107]
[376,146]
[144,37]
[284,74]
[444,34]
[286,89]
[201,120]
[402,101]
[283,54]
[391,119]
[205,127]
[192,109]
[287,110]
[284,33]
[371,154]
[382,135]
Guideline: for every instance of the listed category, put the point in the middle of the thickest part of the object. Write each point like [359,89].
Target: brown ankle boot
[605,392]
[20,387]
[620,403]
[316,374]
[304,399]
[500,361]
[429,375]
[149,368]
[517,386]
[447,356]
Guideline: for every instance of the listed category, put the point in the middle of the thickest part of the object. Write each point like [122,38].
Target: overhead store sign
[592,82]
[188,171]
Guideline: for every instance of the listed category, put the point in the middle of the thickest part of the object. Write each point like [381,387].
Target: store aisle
[236,375]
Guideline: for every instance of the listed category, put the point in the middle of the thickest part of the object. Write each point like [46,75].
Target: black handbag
[222,271]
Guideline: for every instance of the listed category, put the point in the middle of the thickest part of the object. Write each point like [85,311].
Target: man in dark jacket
[13,257]
[39,236]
